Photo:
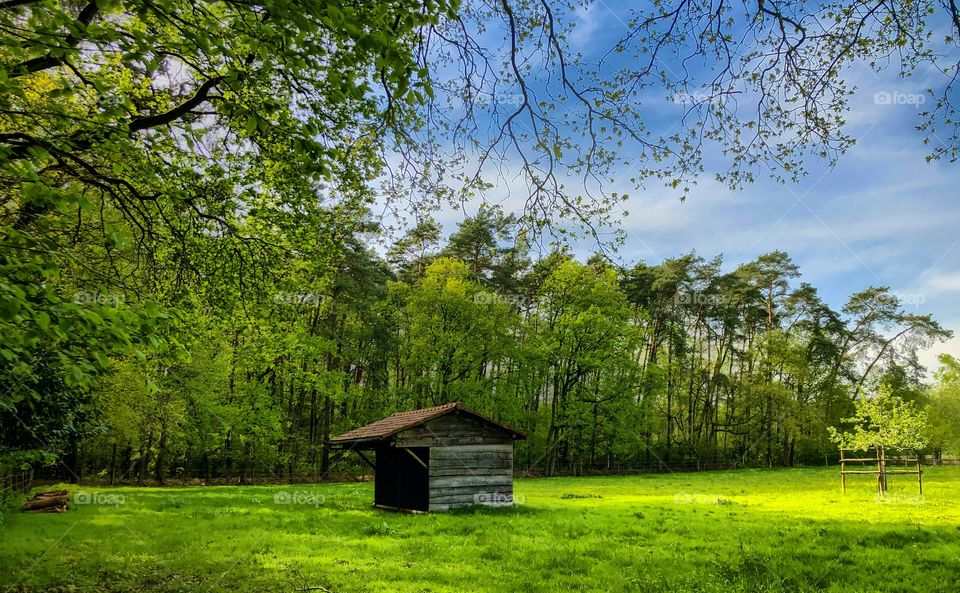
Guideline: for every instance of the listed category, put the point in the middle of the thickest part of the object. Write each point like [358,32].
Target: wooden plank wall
[464,475]
[453,430]
[471,462]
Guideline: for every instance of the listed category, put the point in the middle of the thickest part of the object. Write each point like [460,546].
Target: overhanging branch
[152,121]
[49,61]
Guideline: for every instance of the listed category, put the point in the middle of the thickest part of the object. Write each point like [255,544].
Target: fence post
[843,472]
[12,484]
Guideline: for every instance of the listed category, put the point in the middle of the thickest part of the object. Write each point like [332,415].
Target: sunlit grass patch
[751,530]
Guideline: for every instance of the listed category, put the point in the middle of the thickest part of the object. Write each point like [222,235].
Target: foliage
[164,158]
[944,397]
[884,421]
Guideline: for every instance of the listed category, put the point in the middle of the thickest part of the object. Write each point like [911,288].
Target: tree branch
[50,61]
[152,121]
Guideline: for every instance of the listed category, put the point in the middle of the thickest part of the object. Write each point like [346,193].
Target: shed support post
[414,455]
[364,457]
[336,459]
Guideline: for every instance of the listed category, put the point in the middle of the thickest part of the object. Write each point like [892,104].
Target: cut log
[50,493]
[55,501]
[56,509]
[44,502]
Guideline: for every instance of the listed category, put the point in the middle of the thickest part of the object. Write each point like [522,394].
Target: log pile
[54,501]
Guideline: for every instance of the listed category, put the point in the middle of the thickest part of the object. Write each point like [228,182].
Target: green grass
[751,530]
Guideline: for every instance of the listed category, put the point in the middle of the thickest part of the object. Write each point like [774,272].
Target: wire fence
[13,484]
[353,471]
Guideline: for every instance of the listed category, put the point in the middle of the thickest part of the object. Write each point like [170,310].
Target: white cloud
[946,282]
[587,23]
[928,357]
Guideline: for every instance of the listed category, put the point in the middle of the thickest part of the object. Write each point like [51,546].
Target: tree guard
[881,472]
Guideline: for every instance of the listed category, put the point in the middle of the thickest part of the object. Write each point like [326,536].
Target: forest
[219,249]
[678,364]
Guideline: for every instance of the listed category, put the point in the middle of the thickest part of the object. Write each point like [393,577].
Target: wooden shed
[437,458]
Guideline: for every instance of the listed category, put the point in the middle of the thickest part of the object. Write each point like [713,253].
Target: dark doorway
[401,481]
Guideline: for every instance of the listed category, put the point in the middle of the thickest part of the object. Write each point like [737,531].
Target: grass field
[749,530]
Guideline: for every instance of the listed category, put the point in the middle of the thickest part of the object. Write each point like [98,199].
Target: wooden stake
[919,474]
[843,473]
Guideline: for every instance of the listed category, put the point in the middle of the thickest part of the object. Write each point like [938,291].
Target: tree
[456,330]
[944,399]
[583,331]
[155,155]
[884,421]
[415,250]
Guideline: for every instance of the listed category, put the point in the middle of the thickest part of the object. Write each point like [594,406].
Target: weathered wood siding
[471,462]
[453,430]
[471,474]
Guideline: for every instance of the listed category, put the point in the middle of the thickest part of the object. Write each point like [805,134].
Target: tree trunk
[158,468]
[113,464]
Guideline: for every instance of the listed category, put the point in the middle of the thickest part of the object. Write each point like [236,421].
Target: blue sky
[882,216]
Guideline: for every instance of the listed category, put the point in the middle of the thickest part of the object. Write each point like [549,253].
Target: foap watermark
[486,101]
[298,497]
[97,298]
[699,498]
[298,298]
[898,98]
[84,497]
[911,299]
[899,499]
[694,297]
[906,299]
[691,98]
[492,499]
[110,102]
[493,298]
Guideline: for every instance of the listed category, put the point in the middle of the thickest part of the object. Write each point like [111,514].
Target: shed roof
[401,421]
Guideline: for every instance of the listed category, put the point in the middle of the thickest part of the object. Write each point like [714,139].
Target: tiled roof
[401,421]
